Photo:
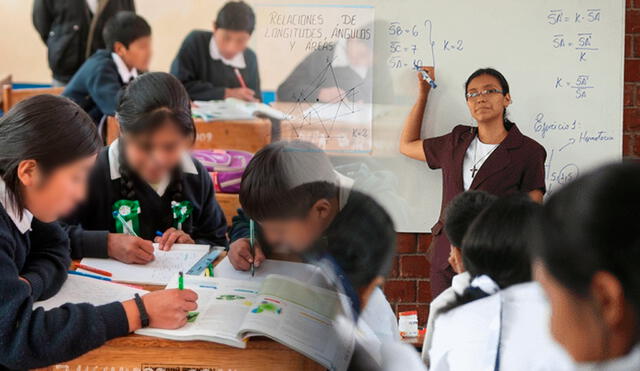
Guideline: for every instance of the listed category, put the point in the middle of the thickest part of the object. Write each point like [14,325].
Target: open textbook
[166,264]
[234,109]
[78,289]
[293,313]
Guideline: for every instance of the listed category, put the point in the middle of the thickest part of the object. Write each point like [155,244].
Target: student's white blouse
[514,319]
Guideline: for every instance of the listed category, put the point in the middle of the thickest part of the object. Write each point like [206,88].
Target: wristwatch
[144,316]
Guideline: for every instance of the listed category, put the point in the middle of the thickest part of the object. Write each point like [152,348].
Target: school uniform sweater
[96,85]
[93,221]
[36,338]
[206,78]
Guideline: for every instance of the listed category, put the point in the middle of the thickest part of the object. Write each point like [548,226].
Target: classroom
[320,185]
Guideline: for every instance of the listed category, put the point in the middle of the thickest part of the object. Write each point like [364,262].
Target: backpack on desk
[225,167]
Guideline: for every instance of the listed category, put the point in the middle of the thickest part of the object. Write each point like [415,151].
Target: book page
[222,306]
[301,317]
[181,257]
[302,272]
[78,289]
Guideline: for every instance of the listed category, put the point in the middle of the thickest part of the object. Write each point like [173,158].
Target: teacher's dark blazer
[516,165]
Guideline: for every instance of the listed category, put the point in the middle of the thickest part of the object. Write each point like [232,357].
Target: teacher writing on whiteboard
[494,157]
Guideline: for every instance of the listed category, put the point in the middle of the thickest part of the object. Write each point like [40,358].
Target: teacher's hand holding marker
[426,79]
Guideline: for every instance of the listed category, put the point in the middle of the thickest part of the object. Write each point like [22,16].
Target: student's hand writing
[245,94]
[129,249]
[423,86]
[171,236]
[332,94]
[240,254]
[167,309]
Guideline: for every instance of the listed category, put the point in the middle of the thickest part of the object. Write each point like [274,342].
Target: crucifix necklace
[474,169]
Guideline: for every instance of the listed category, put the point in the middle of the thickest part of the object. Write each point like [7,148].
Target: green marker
[181,281]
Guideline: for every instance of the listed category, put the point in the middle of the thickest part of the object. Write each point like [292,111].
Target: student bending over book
[294,195]
[96,85]
[149,178]
[587,257]
[218,65]
[359,253]
[500,320]
[47,147]
[461,212]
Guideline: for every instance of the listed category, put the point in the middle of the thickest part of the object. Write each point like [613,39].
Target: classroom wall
[25,57]
[408,285]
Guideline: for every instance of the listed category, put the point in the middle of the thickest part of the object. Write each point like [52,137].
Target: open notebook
[78,289]
[306,273]
[234,109]
[293,313]
[181,257]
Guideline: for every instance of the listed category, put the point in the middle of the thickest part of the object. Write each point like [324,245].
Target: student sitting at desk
[461,212]
[148,179]
[500,321]
[294,195]
[357,257]
[47,147]
[96,85]
[587,256]
[218,65]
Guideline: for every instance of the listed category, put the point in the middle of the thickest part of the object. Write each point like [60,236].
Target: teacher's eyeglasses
[474,95]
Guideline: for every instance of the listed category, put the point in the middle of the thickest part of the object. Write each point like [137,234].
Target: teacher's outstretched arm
[410,141]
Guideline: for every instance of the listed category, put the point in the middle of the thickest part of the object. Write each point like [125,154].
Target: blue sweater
[36,338]
[96,85]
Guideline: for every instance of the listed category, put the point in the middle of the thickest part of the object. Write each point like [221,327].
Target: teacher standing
[494,157]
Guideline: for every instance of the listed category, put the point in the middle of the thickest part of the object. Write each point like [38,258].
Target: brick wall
[407,288]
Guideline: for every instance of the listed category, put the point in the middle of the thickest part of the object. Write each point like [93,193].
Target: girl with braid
[147,179]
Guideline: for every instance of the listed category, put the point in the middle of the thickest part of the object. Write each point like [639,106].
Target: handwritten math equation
[584,42]
[411,43]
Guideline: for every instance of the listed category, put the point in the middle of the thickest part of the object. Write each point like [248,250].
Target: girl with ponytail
[147,179]
[499,321]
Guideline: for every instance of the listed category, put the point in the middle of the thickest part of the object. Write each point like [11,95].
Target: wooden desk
[230,203]
[136,352]
[245,135]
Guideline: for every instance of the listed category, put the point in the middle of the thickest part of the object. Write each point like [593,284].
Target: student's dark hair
[497,245]
[236,16]
[363,242]
[462,211]
[591,225]
[149,102]
[124,27]
[52,130]
[504,86]
[284,180]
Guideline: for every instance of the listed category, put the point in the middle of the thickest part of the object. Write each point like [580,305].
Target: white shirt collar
[188,166]
[237,61]
[125,73]
[341,59]
[23,224]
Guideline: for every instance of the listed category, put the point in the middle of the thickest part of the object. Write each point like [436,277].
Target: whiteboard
[563,60]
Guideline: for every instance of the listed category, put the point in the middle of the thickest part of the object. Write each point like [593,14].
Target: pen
[124,223]
[240,78]
[210,267]
[89,275]
[92,269]
[426,77]
[252,249]
[181,281]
